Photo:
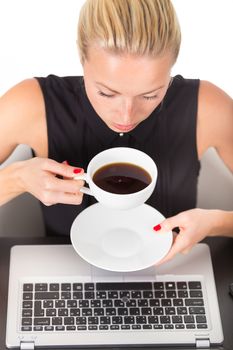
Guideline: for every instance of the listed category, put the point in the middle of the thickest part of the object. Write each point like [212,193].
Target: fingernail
[157,228]
[77,170]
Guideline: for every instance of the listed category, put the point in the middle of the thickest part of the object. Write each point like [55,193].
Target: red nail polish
[77,170]
[157,227]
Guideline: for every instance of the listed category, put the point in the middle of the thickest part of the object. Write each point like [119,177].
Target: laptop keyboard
[113,306]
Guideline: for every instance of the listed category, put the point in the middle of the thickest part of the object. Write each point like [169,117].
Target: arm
[23,121]
[214,129]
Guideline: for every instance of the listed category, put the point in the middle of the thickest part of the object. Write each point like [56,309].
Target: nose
[127,111]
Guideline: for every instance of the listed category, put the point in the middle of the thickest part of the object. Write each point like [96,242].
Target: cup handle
[84,189]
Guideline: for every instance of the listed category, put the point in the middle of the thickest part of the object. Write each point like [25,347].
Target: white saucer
[120,240]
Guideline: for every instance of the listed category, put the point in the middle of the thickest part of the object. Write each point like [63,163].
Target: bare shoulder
[215,121]
[22,118]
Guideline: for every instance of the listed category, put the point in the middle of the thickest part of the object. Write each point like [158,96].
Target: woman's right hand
[38,176]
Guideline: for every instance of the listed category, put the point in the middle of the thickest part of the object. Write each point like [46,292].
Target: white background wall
[38,37]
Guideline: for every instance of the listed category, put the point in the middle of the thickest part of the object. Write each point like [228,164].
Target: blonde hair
[129,26]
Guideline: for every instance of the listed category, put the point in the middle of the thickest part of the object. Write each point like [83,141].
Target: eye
[104,95]
[150,97]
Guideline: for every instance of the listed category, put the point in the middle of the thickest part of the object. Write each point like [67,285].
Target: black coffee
[121,178]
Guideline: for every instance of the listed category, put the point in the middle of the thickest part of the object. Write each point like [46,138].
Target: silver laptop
[56,299]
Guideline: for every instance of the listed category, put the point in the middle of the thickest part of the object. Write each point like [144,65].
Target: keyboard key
[166,302]
[124,286]
[133,311]
[182,285]
[103,327]
[189,319]
[201,319]
[98,311]
[81,320]
[125,327]
[142,302]
[153,319]
[77,295]
[182,294]
[63,312]
[182,310]
[114,327]
[141,319]
[177,319]
[194,302]
[168,326]
[178,302]
[93,320]
[26,313]
[54,287]
[66,286]
[46,295]
[39,287]
[56,321]
[89,286]
[68,320]
[171,294]
[201,326]
[26,321]
[108,303]
[159,294]
[28,287]
[74,312]
[77,286]
[158,285]
[194,285]
[179,326]
[26,328]
[190,326]
[117,320]
[170,285]
[27,304]
[41,321]
[165,319]
[147,326]
[92,328]
[60,303]
[129,320]
[86,312]
[72,303]
[196,294]
[196,310]
[48,304]
[105,320]
[65,295]
[51,312]
[27,296]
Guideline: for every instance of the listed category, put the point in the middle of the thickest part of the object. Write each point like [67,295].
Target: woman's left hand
[194,225]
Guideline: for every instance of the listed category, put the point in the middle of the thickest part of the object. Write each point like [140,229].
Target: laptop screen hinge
[27,345]
[203,343]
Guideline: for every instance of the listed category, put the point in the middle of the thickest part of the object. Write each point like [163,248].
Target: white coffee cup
[119,155]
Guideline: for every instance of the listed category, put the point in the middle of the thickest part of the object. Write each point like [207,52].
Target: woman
[126,97]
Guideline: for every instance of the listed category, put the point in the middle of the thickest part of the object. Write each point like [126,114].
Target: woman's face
[125,89]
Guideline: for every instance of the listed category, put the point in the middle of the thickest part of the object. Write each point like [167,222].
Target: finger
[61,168]
[52,198]
[168,224]
[55,184]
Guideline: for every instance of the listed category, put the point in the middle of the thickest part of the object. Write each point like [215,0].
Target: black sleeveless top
[76,134]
